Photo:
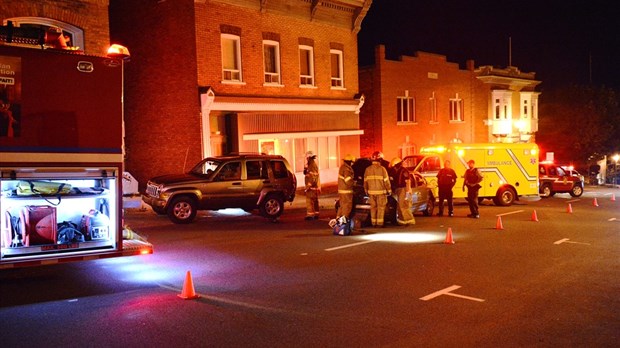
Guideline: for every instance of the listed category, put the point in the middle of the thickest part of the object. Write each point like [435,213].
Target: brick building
[426,100]
[208,77]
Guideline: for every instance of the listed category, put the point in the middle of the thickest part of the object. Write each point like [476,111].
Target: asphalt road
[546,283]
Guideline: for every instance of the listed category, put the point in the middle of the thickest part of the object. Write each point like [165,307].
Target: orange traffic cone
[613,197]
[449,239]
[499,225]
[594,202]
[569,209]
[534,216]
[188,292]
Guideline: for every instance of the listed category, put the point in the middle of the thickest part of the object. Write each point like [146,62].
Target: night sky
[563,42]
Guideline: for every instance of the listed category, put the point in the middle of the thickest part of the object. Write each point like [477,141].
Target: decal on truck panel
[10,90]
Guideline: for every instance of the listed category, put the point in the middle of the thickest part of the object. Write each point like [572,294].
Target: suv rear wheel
[182,210]
[272,206]
[545,190]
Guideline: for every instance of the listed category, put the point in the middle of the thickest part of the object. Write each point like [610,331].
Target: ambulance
[509,171]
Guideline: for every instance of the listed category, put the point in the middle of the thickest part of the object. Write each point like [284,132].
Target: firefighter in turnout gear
[313,187]
[402,189]
[345,187]
[377,187]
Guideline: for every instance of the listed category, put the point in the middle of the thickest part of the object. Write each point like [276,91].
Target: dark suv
[246,181]
[554,179]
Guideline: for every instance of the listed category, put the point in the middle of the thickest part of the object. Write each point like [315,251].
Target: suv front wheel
[272,206]
[182,210]
[576,191]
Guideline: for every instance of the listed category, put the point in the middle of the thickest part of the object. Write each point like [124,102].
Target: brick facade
[177,107]
[426,77]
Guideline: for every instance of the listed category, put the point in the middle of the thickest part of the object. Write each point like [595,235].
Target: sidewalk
[327,200]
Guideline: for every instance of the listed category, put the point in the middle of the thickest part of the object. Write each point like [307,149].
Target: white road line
[573,200]
[567,240]
[226,301]
[350,245]
[447,291]
[613,219]
[512,212]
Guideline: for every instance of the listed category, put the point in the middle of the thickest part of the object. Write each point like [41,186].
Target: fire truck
[509,171]
[61,154]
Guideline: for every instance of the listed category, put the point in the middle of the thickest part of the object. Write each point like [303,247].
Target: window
[456,109]
[306,66]
[279,169]
[271,57]
[74,34]
[256,170]
[433,108]
[405,109]
[337,69]
[230,171]
[231,58]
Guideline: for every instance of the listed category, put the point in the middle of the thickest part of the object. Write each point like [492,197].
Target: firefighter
[345,187]
[377,187]
[313,187]
[402,189]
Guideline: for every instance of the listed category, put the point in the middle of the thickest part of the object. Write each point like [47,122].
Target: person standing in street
[402,189]
[377,187]
[312,187]
[345,187]
[446,178]
[472,182]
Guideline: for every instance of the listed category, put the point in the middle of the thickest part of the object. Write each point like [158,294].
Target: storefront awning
[297,135]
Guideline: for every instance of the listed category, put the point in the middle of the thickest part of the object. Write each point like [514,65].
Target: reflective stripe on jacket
[345,179]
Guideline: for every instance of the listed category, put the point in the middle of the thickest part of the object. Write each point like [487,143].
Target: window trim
[237,41]
[457,109]
[309,49]
[277,73]
[340,77]
[434,118]
[405,115]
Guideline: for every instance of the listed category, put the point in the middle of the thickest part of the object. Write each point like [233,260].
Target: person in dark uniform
[446,178]
[472,182]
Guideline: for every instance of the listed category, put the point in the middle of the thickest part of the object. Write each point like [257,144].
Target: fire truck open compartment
[61,158]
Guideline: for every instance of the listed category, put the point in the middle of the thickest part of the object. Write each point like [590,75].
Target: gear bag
[38,225]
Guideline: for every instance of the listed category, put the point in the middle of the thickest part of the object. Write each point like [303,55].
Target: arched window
[75,34]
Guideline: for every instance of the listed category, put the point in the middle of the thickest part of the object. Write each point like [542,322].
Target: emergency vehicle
[509,171]
[61,154]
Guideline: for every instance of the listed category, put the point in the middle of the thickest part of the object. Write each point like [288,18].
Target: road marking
[512,212]
[573,200]
[613,219]
[566,240]
[350,245]
[226,301]
[446,291]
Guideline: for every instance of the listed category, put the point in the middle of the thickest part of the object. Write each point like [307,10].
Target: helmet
[395,161]
[377,155]
[349,157]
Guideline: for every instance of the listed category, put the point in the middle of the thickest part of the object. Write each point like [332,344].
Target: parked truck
[61,155]
[510,171]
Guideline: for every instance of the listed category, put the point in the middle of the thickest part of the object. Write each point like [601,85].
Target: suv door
[226,188]
[257,178]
